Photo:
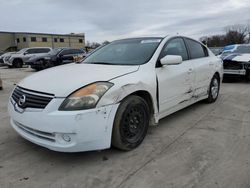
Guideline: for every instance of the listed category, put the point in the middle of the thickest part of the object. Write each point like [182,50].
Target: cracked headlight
[86,97]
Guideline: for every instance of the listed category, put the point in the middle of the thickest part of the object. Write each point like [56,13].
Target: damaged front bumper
[65,131]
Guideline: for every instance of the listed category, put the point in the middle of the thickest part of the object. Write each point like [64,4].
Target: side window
[74,51]
[78,51]
[43,50]
[196,49]
[175,47]
[31,51]
[66,52]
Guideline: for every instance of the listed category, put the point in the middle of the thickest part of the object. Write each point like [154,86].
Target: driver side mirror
[171,60]
[25,53]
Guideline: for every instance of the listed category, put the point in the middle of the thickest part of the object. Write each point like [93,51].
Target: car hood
[241,58]
[63,80]
[7,54]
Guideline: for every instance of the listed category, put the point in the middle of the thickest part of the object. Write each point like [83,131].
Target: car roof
[139,38]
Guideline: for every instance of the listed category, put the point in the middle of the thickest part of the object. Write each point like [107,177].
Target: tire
[214,89]
[45,65]
[131,123]
[248,75]
[17,63]
[37,69]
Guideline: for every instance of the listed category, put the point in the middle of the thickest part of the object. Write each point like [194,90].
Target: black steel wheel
[131,123]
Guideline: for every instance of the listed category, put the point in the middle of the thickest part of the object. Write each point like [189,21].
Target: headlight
[86,97]
[7,58]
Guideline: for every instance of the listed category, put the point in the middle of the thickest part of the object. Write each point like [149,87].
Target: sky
[102,20]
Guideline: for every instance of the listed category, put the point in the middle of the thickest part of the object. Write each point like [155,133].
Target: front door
[175,81]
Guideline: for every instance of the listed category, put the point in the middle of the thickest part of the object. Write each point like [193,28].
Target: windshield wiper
[100,63]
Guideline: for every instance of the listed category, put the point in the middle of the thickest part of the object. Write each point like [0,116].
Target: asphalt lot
[200,146]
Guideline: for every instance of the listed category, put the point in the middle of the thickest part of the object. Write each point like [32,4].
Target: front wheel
[214,89]
[131,123]
[17,63]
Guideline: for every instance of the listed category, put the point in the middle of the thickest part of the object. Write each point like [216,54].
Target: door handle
[211,63]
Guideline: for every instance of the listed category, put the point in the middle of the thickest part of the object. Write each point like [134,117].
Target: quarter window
[175,47]
[196,49]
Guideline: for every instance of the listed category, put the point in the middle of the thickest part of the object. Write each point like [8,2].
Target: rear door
[175,81]
[203,66]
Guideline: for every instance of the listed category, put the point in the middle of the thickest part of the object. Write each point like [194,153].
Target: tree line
[234,34]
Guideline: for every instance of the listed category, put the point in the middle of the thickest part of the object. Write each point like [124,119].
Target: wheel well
[218,75]
[147,97]
[17,59]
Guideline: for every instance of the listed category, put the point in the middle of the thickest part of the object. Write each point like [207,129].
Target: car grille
[232,65]
[32,99]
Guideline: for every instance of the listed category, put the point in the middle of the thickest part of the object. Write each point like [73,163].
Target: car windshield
[243,49]
[22,50]
[125,52]
[55,51]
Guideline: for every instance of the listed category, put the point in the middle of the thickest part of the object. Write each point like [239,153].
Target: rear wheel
[131,123]
[214,89]
[17,63]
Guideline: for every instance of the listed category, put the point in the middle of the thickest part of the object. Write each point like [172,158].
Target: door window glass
[196,49]
[175,47]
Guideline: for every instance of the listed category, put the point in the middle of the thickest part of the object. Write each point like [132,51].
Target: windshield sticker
[151,41]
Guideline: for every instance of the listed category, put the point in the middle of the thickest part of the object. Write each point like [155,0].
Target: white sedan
[112,97]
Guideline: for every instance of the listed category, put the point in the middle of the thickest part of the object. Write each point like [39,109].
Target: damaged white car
[111,97]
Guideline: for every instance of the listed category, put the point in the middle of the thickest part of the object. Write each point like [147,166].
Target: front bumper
[73,131]
[7,62]
[241,72]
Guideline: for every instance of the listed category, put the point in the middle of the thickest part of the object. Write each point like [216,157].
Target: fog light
[66,138]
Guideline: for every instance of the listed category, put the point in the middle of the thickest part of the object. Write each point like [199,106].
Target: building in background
[12,41]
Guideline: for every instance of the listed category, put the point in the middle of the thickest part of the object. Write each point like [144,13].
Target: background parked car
[57,56]
[237,66]
[17,59]
[236,48]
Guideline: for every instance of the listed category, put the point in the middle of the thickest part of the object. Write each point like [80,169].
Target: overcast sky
[114,19]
